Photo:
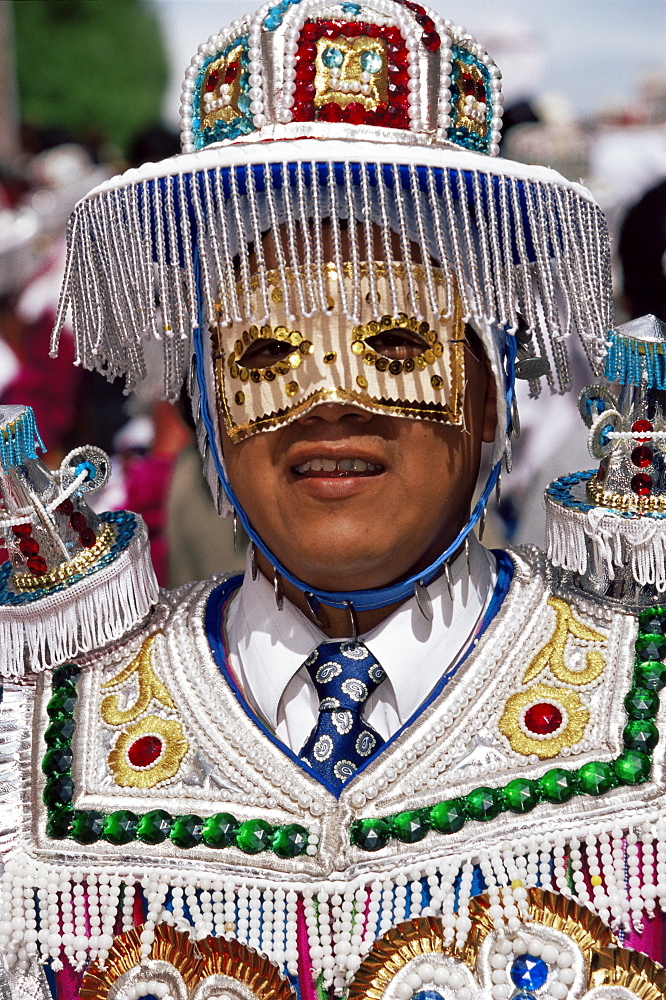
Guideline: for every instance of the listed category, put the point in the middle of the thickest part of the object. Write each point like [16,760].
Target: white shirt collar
[267,647]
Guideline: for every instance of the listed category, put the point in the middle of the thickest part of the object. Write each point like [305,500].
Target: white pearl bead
[549,953]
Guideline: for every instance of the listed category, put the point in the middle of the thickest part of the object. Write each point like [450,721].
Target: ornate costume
[504,837]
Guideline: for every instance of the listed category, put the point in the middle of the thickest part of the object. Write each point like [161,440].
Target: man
[350,773]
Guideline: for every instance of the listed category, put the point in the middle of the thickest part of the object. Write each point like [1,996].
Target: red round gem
[543,718]
[396,90]
[353,29]
[480,92]
[641,425]
[29,547]
[301,113]
[78,521]
[212,81]
[467,84]
[144,751]
[66,507]
[330,112]
[37,565]
[642,456]
[307,51]
[398,75]
[22,530]
[310,31]
[641,484]
[305,73]
[306,92]
[355,113]
[87,538]
[432,41]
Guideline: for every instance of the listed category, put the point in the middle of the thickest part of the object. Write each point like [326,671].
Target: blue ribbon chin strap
[356,600]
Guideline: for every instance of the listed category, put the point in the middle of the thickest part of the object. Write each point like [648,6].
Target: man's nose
[333,413]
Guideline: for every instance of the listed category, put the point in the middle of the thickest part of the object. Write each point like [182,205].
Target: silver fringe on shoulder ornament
[608,526]
[74,580]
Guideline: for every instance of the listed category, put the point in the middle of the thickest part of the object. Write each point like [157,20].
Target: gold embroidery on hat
[342,84]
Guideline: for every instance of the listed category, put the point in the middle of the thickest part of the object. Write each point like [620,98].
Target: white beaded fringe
[132,268]
[601,541]
[79,911]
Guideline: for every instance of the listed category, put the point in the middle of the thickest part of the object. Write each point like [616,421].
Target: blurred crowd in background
[84,101]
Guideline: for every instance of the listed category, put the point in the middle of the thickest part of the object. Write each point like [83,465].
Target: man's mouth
[337,467]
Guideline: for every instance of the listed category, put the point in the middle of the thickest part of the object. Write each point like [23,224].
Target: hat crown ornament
[74,580]
[609,525]
[388,70]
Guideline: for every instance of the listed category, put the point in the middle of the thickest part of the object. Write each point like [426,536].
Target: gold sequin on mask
[324,358]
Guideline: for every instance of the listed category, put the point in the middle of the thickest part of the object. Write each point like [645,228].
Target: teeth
[330,465]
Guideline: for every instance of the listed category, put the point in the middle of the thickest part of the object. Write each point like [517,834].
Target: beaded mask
[270,374]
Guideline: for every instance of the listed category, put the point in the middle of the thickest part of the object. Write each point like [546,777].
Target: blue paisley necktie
[344,674]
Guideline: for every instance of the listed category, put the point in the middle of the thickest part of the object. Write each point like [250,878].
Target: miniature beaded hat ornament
[74,580]
[340,169]
[608,526]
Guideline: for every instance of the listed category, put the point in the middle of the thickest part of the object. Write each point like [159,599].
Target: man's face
[350,500]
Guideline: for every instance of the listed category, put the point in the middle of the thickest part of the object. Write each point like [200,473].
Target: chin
[350,567]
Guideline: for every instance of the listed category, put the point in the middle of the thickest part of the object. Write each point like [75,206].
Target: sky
[593,52]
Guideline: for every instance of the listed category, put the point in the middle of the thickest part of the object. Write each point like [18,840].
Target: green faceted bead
[596,778]
[650,674]
[651,647]
[449,816]
[59,790]
[120,827]
[69,672]
[521,795]
[254,836]
[59,732]
[290,841]
[410,826]
[59,823]
[652,621]
[632,767]
[187,830]
[220,830]
[641,735]
[640,703]
[370,834]
[154,826]
[87,826]
[558,785]
[484,803]
[63,702]
[58,760]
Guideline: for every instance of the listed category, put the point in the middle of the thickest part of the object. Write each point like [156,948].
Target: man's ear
[490,408]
